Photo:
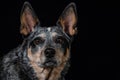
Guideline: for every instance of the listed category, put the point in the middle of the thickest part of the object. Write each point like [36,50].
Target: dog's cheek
[67,54]
[61,57]
[42,57]
[34,55]
[65,47]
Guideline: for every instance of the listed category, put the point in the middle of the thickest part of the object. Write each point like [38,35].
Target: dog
[45,51]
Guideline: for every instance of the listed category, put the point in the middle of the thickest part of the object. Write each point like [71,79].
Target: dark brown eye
[38,41]
[59,40]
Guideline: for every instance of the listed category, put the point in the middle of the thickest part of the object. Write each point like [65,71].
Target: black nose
[49,52]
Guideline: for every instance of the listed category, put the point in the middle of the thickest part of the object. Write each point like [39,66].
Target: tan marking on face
[61,57]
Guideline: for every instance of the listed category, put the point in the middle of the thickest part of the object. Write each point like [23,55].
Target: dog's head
[48,46]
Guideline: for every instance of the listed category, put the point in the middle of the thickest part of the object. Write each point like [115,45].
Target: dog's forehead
[48,31]
[53,29]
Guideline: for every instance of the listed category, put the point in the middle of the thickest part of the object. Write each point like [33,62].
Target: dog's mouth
[49,63]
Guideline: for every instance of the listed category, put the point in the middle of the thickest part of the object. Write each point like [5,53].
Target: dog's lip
[50,63]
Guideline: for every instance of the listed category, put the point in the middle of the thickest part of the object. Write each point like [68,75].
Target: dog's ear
[68,19]
[28,19]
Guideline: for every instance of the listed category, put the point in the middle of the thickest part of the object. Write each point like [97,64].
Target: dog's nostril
[49,52]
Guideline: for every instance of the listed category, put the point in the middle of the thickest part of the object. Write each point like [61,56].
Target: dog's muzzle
[50,60]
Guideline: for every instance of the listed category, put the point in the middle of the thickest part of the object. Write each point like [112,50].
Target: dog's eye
[59,40]
[38,41]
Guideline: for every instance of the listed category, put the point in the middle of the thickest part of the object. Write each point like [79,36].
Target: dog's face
[48,46]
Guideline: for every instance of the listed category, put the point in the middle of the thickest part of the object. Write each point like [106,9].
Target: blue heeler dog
[45,51]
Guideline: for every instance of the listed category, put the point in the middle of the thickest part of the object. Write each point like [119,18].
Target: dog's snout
[49,52]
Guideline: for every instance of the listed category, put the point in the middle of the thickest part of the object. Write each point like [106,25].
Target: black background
[93,54]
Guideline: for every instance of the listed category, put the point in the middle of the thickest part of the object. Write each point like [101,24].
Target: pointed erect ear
[68,19]
[28,19]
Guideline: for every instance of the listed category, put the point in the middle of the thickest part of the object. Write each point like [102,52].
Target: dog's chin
[49,64]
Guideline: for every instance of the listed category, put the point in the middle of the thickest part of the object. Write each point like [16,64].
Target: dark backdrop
[93,49]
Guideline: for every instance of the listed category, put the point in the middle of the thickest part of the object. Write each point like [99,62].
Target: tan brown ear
[28,19]
[68,19]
